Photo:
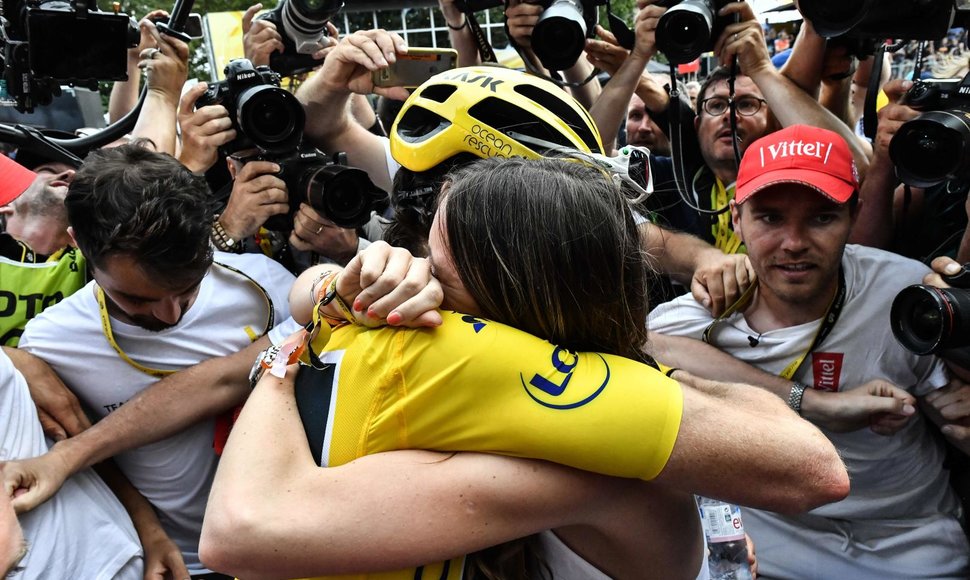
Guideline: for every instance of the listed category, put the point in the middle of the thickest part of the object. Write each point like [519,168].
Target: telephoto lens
[685,30]
[933,148]
[559,36]
[930,320]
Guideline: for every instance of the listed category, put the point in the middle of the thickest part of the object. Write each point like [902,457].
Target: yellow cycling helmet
[488,111]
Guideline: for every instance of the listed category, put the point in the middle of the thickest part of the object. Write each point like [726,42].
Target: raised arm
[716,279]
[325,97]
[789,104]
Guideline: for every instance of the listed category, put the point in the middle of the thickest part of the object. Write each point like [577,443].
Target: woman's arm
[273,512]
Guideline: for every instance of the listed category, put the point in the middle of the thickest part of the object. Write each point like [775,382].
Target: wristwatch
[263,362]
[795,397]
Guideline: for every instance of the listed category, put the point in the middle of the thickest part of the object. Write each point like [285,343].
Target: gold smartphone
[415,67]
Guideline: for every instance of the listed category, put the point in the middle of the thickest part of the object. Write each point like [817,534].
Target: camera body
[935,146]
[560,34]
[931,320]
[40,53]
[689,28]
[880,19]
[467,6]
[270,120]
[264,115]
[344,195]
[302,24]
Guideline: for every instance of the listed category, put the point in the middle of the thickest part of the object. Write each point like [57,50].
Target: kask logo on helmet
[487,143]
[566,386]
[486,81]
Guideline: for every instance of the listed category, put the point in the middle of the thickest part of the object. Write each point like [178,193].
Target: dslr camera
[880,19]
[935,146]
[302,24]
[270,120]
[40,41]
[689,28]
[931,320]
[264,115]
[560,34]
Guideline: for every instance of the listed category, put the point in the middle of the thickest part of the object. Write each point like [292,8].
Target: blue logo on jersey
[477,324]
[550,390]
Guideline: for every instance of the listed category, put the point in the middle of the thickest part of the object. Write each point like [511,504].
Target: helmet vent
[438,93]
[418,124]
[554,103]
[504,116]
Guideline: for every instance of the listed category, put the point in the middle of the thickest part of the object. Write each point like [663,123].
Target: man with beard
[159,303]
[820,300]
[39,263]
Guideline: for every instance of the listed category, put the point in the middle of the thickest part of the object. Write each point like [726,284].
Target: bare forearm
[586,93]
[875,224]
[793,106]
[706,361]
[804,65]
[124,94]
[160,411]
[610,108]
[674,253]
[156,122]
[327,113]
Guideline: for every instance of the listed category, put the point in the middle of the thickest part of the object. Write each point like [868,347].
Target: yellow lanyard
[159,373]
[724,237]
[824,327]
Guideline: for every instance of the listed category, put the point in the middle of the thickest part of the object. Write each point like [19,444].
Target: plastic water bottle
[727,551]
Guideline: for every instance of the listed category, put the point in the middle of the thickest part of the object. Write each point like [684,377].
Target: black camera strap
[481,41]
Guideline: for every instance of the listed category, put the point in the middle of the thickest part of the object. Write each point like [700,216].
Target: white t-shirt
[174,474]
[81,532]
[897,477]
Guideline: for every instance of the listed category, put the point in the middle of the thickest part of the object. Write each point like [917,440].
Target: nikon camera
[935,146]
[270,121]
[264,115]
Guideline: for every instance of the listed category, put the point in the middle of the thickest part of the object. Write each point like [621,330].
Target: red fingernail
[358,305]
[394,318]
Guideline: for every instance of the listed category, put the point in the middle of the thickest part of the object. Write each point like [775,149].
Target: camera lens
[684,31]
[559,36]
[834,17]
[344,195]
[926,319]
[271,117]
[931,148]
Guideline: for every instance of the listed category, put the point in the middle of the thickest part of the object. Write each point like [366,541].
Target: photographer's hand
[744,39]
[204,130]
[315,233]
[260,37]
[521,18]
[257,195]
[349,65]
[166,68]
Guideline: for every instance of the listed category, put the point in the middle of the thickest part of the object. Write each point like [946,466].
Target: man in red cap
[819,317]
[39,266]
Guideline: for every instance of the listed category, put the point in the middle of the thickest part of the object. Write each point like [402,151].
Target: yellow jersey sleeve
[477,385]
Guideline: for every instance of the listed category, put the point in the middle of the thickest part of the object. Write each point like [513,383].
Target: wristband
[221,240]
[448,24]
[795,396]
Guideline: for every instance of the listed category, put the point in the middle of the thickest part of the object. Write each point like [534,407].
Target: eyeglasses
[745,106]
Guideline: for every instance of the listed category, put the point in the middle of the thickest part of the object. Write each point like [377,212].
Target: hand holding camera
[314,233]
[260,38]
[204,130]
[257,195]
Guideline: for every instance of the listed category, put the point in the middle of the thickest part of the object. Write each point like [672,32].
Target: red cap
[14,179]
[813,157]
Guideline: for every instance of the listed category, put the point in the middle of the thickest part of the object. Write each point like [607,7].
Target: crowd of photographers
[108,288]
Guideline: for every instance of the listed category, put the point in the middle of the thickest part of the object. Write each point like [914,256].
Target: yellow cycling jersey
[477,385]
